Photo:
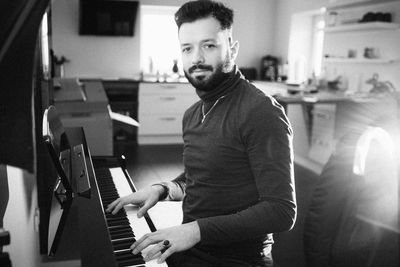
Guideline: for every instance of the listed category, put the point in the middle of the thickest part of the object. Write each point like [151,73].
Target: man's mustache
[200,67]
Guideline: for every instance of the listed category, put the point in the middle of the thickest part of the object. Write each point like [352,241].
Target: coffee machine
[269,68]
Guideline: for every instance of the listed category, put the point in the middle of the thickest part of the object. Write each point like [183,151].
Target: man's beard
[219,74]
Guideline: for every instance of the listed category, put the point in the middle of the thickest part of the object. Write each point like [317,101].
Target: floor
[150,164]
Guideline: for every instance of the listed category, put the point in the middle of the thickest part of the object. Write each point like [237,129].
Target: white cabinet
[161,109]
[323,132]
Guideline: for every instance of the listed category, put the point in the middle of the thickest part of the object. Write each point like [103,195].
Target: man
[238,184]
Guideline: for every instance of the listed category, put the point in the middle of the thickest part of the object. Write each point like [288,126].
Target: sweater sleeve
[176,188]
[267,135]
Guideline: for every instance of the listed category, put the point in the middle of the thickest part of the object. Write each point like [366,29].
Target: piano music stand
[58,146]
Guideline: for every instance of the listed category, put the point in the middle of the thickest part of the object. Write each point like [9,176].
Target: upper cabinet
[361,42]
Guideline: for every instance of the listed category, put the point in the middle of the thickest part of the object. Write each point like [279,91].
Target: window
[159,40]
[317,44]
[306,45]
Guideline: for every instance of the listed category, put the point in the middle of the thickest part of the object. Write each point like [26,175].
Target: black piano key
[121,235]
[121,230]
[129,263]
[109,194]
[130,240]
[129,257]
[127,254]
[123,244]
[118,215]
[111,227]
[118,222]
[109,198]
[120,246]
[108,191]
[110,219]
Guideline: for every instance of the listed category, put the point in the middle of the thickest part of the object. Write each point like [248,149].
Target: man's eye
[208,46]
[186,49]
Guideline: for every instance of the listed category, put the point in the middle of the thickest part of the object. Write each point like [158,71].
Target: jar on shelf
[331,18]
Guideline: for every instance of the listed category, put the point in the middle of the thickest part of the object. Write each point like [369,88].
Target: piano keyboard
[124,227]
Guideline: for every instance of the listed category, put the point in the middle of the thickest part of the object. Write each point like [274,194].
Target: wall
[108,57]
[19,218]
[285,10]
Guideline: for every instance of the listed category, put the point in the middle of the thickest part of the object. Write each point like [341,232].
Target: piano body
[105,239]
[26,92]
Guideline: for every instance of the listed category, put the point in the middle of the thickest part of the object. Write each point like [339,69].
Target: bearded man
[238,184]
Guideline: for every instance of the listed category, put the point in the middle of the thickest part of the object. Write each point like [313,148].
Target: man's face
[206,52]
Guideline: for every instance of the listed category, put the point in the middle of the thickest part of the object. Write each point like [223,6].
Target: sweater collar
[225,87]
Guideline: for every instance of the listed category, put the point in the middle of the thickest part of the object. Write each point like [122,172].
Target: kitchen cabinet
[161,110]
[83,103]
[123,99]
[322,132]
[354,52]
[319,121]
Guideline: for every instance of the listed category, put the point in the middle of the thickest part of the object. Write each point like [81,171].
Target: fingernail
[160,261]
[134,251]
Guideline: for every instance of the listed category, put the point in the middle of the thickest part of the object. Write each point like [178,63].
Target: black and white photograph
[199,133]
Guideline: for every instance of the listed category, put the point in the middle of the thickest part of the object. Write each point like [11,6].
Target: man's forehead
[202,29]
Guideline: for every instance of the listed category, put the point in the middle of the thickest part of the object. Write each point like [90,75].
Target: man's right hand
[145,198]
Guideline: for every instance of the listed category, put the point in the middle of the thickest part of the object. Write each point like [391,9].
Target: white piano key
[121,184]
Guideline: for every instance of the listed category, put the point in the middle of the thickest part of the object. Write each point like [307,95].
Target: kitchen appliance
[269,68]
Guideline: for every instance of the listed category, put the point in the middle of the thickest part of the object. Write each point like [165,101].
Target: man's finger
[117,208]
[165,255]
[142,210]
[112,205]
[154,252]
[144,242]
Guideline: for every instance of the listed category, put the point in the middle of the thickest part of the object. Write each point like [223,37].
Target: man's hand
[145,198]
[179,238]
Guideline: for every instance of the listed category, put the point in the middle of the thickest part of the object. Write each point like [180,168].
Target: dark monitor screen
[108,18]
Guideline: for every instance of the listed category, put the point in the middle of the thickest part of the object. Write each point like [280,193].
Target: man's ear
[234,49]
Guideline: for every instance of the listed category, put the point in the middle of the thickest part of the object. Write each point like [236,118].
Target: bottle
[151,68]
[175,68]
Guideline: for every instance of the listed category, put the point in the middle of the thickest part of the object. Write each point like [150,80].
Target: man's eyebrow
[202,41]
[208,40]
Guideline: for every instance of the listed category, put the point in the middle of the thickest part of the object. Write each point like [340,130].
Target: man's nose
[198,57]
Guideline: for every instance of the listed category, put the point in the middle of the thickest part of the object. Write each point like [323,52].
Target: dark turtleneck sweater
[238,169]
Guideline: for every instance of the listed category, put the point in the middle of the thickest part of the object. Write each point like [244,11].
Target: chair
[353,215]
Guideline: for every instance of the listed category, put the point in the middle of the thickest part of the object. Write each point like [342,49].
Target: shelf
[346,4]
[365,26]
[360,61]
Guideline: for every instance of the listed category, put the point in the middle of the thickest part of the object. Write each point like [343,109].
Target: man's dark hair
[194,10]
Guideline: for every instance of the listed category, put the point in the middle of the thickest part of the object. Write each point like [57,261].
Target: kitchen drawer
[161,124]
[172,89]
[165,103]
[324,115]
[321,149]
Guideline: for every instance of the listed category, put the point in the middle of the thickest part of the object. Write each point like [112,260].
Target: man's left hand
[179,238]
